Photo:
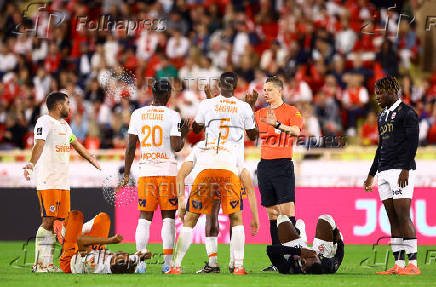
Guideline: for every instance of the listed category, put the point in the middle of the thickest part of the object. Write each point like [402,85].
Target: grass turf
[13,271]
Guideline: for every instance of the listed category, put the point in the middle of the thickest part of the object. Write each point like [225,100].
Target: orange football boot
[175,270]
[410,270]
[239,271]
[394,270]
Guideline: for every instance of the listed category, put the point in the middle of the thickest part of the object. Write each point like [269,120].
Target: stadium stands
[328,53]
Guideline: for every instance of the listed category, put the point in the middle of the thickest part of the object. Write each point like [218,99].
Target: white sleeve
[249,122]
[200,117]
[176,125]
[42,128]
[132,129]
[192,156]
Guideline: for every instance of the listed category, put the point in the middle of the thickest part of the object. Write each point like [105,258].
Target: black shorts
[276,180]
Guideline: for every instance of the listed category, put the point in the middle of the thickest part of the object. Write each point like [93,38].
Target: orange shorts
[73,229]
[157,190]
[54,202]
[212,184]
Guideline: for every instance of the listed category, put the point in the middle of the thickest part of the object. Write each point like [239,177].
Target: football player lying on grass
[294,257]
[83,249]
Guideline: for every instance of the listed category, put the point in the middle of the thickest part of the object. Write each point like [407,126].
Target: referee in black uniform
[395,163]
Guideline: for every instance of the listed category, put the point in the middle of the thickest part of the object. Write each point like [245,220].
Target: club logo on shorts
[197,204]
[141,202]
[398,192]
[173,201]
[234,203]
[52,208]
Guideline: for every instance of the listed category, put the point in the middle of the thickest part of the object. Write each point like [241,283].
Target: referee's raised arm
[278,124]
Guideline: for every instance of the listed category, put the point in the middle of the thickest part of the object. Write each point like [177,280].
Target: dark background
[20,214]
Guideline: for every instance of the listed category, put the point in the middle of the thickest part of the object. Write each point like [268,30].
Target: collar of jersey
[394,106]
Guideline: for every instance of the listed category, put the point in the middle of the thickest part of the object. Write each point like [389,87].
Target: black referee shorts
[276,179]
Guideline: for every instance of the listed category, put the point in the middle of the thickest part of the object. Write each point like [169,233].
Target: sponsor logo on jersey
[321,248]
[234,203]
[173,201]
[216,179]
[224,101]
[154,155]
[197,204]
[63,148]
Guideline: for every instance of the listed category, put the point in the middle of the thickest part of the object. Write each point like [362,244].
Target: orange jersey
[277,144]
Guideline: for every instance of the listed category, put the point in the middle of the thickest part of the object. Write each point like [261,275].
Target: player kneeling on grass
[294,257]
[83,249]
[217,168]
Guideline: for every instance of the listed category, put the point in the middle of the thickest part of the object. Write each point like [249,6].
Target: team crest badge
[234,203]
[52,208]
[196,204]
[173,201]
[393,115]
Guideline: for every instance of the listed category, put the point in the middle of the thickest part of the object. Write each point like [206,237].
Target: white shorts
[325,248]
[387,181]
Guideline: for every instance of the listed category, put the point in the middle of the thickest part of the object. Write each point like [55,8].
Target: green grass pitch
[13,271]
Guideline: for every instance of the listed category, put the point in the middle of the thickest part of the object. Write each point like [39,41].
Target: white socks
[211,244]
[237,245]
[232,257]
[44,246]
[398,251]
[168,234]
[142,234]
[185,240]
[410,245]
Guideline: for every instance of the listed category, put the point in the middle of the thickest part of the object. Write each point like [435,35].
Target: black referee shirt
[398,131]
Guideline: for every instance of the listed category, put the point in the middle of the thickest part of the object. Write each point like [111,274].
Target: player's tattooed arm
[184,171]
[83,152]
[129,157]
[36,153]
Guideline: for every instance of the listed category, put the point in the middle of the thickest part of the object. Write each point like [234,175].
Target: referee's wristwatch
[277,125]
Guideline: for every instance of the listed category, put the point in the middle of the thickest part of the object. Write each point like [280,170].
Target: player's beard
[64,114]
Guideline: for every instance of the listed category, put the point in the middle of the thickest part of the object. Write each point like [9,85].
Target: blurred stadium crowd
[328,53]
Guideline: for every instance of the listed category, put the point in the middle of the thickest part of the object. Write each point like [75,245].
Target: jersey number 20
[155,140]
